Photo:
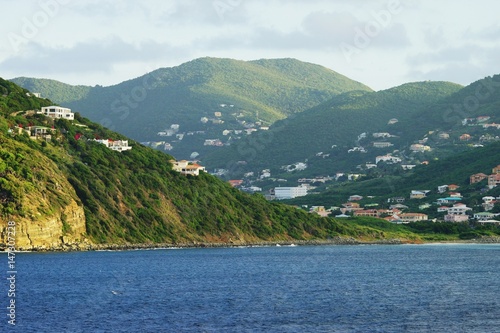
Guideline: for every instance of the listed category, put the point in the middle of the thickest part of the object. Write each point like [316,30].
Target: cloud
[90,56]
[318,31]
[462,65]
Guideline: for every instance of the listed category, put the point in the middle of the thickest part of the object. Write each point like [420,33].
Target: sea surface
[393,288]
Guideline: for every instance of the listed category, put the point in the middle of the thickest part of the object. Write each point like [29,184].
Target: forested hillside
[338,125]
[131,196]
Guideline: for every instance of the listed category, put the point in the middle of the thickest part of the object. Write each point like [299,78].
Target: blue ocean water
[409,288]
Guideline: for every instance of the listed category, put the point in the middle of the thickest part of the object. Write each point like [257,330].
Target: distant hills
[228,94]
[344,123]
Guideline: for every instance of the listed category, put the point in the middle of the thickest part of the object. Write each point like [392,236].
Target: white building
[290,192]
[187,167]
[388,159]
[118,145]
[458,209]
[58,112]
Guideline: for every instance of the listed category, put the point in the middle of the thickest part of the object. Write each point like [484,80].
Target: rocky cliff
[65,228]
[38,200]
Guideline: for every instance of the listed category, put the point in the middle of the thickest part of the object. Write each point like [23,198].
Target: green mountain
[328,136]
[54,90]
[60,187]
[229,94]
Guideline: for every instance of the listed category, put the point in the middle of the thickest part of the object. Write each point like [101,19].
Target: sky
[381,43]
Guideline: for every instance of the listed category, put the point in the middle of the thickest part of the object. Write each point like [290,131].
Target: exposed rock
[48,232]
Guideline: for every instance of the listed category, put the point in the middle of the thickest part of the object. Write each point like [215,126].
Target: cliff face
[65,228]
[37,197]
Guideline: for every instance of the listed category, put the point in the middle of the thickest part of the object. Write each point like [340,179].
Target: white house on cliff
[58,112]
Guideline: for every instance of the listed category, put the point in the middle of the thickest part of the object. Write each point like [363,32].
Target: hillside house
[488,199]
[453,187]
[320,210]
[494,180]
[41,132]
[413,217]
[442,188]
[355,197]
[118,145]
[492,125]
[449,200]
[398,207]
[465,137]
[443,209]
[482,119]
[382,144]
[382,135]
[398,200]
[418,194]
[387,159]
[489,222]
[419,148]
[187,168]
[393,121]
[282,193]
[407,167]
[367,213]
[476,178]
[458,209]
[236,182]
[424,206]
[496,170]
[456,218]
[58,112]
[350,207]
[484,216]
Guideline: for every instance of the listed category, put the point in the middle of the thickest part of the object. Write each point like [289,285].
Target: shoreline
[86,247]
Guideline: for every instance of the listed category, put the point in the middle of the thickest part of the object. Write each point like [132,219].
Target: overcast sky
[381,43]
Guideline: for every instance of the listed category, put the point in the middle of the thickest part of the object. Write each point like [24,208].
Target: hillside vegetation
[54,90]
[335,126]
[134,196]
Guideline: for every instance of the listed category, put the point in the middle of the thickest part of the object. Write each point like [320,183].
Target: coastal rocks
[58,230]
[488,240]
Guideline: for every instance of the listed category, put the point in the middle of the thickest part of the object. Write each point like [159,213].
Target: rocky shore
[317,242]
[123,247]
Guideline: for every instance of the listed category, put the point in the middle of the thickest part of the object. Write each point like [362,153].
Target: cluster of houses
[228,134]
[493,179]
[450,206]
[46,133]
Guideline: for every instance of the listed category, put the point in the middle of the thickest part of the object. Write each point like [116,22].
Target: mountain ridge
[261,91]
